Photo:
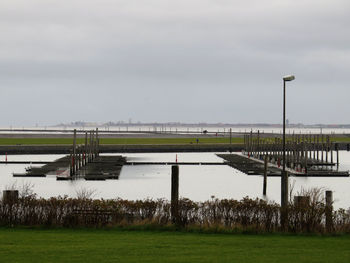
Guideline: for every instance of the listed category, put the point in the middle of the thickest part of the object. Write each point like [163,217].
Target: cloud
[214,57]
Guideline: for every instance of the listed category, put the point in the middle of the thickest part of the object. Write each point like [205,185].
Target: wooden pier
[303,151]
[305,155]
[252,166]
[101,168]
[248,165]
[175,163]
[84,162]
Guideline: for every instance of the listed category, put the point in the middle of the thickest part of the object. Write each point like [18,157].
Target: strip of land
[134,140]
[124,143]
[118,141]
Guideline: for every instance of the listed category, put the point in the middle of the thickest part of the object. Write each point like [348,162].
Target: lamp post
[284,176]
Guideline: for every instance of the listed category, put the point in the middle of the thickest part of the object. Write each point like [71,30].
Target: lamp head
[288,78]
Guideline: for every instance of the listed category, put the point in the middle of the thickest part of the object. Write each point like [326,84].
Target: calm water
[196,182]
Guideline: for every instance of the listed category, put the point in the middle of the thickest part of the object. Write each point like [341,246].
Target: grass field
[55,141]
[69,245]
[111,141]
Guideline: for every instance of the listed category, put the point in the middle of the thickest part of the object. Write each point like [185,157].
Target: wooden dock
[175,163]
[101,168]
[252,166]
[248,165]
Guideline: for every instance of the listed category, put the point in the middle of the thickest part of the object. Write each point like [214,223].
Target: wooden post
[75,152]
[294,151]
[322,147]
[248,144]
[337,150]
[81,156]
[284,200]
[230,135]
[175,194]
[86,148]
[97,143]
[310,147]
[92,144]
[298,151]
[258,145]
[78,158]
[284,188]
[318,147]
[95,146]
[329,211]
[265,175]
[90,147]
[305,156]
[251,142]
[327,148]
[314,147]
[71,164]
[331,147]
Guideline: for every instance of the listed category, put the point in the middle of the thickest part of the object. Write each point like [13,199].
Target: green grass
[116,141]
[82,245]
[55,141]
[340,139]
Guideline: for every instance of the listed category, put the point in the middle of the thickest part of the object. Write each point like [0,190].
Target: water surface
[198,183]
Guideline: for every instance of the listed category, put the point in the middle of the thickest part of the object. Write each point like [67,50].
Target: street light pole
[284,178]
[284,175]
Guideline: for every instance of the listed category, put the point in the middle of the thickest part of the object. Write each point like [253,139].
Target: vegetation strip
[226,215]
[136,141]
[111,141]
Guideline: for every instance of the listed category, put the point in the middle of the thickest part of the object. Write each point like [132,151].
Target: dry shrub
[255,215]
[309,214]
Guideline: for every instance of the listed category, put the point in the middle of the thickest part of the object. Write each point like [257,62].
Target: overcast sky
[183,60]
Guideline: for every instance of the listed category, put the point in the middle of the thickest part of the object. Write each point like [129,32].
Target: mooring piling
[265,174]
[86,148]
[175,193]
[329,210]
[337,150]
[97,143]
[90,147]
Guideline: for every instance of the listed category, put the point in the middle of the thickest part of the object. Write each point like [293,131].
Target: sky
[174,61]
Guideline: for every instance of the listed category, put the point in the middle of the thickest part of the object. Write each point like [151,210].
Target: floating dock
[175,163]
[101,168]
[252,166]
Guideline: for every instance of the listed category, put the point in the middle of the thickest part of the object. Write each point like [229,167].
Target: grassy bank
[135,141]
[68,245]
[111,141]
[340,139]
